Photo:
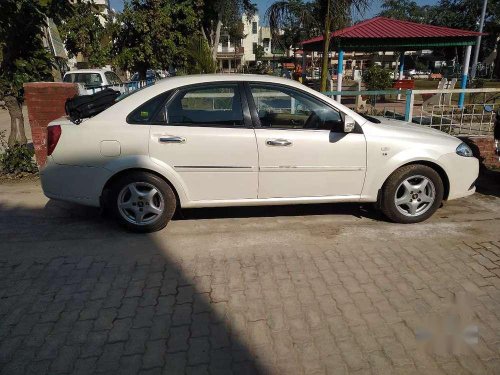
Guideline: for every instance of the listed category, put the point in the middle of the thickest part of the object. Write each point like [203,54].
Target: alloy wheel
[415,196]
[140,203]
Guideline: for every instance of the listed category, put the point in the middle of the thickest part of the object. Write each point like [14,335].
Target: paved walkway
[279,290]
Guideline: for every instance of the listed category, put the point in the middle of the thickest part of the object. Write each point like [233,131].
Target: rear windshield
[88,79]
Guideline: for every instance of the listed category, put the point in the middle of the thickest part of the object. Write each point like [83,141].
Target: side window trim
[168,95]
[255,113]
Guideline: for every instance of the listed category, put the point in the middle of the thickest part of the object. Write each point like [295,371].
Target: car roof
[88,71]
[207,78]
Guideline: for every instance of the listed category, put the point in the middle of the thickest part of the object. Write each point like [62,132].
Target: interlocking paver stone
[332,304]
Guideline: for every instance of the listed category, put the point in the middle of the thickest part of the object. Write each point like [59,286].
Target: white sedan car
[239,140]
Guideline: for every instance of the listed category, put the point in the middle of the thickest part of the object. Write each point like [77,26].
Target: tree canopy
[23,57]
[215,14]
[84,32]
[154,34]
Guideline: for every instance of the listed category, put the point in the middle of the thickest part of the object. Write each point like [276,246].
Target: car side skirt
[278,201]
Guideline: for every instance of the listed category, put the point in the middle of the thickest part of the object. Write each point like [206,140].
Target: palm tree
[324,15]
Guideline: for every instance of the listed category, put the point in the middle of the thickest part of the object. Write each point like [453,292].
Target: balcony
[229,51]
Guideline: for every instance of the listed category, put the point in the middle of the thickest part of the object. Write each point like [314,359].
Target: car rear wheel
[142,202]
[412,194]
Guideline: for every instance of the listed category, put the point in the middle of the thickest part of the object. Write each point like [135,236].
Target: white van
[91,80]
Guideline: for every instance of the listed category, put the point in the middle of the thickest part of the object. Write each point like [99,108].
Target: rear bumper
[462,174]
[71,183]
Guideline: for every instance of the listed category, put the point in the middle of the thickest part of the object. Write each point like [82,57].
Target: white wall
[250,38]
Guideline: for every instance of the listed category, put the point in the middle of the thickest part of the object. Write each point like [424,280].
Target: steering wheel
[312,121]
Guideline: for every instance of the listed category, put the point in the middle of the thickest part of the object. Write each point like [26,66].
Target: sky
[262,6]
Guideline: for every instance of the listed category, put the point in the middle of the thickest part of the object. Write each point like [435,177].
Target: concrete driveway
[283,290]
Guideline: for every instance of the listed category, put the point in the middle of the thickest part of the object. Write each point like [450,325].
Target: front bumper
[78,184]
[462,174]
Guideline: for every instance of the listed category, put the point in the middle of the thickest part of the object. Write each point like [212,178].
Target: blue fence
[124,88]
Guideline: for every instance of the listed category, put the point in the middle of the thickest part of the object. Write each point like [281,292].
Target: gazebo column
[340,73]
[401,69]
[401,65]
[465,72]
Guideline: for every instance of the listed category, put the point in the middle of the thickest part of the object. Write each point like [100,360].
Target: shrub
[377,78]
[16,159]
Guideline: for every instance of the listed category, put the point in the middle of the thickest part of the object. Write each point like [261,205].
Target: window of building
[254,27]
[254,48]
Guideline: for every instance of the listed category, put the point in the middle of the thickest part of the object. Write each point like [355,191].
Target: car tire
[142,202]
[412,194]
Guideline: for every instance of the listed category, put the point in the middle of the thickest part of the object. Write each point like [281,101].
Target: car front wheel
[412,194]
[142,202]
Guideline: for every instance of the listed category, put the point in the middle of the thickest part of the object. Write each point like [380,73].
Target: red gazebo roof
[388,28]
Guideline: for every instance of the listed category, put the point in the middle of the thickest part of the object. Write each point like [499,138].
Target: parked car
[93,80]
[240,140]
[151,75]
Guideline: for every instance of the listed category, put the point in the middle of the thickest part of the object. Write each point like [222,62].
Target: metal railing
[470,119]
[124,88]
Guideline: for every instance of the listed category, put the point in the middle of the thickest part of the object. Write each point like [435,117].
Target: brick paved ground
[310,294]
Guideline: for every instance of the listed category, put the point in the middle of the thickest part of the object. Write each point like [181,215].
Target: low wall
[45,102]
[483,148]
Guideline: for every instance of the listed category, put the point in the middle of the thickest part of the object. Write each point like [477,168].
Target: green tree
[23,57]
[154,34]
[323,15]
[199,57]
[259,52]
[291,22]
[84,33]
[377,78]
[216,14]
[407,10]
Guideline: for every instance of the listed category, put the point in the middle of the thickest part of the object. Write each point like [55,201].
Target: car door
[303,151]
[205,134]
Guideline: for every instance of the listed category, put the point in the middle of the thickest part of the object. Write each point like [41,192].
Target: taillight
[53,135]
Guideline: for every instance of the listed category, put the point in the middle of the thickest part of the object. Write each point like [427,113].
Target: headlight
[464,150]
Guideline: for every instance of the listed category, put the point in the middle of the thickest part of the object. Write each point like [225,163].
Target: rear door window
[212,105]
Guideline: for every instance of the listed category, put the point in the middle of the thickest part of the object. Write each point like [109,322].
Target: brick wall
[45,102]
[483,148]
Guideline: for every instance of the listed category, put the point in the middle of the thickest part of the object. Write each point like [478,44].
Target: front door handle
[172,139]
[278,142]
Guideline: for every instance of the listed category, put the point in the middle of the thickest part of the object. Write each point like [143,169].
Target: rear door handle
[278,142]
[171,139]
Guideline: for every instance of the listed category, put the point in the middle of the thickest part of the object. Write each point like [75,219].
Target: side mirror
[349,124]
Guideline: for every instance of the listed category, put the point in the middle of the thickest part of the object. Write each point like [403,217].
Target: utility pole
[478,42]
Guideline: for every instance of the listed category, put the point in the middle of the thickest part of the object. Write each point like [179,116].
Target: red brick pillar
[45,102]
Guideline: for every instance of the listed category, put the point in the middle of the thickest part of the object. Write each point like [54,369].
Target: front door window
[286,108]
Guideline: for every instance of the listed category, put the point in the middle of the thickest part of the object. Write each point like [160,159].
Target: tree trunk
[326,47]
[217,37]
[496,66]
[142,70]
[17,134]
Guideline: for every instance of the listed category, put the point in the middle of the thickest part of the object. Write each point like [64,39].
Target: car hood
[405,129]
